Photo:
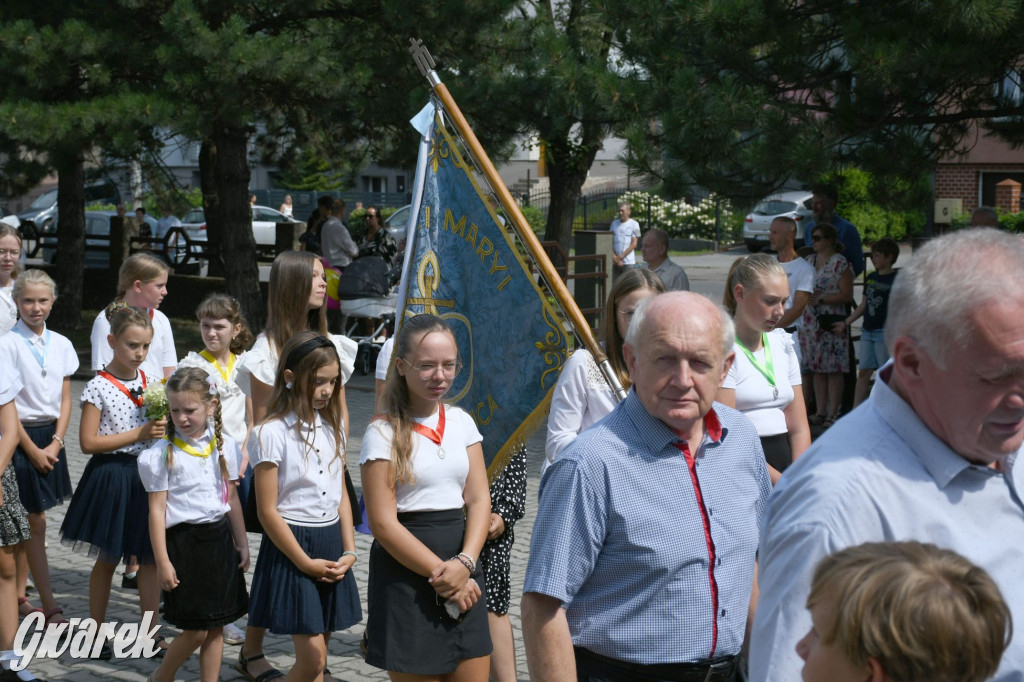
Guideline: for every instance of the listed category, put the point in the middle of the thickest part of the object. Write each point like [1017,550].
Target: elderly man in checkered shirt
[642,557]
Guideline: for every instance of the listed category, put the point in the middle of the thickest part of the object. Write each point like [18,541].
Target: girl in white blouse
[582,396]
[421,464]
[141,283]
[47,361]
[763,382]
[195,524]
[10,263]
[303,585]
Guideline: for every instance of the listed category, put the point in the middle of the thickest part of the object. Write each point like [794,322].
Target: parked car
[42,212]
[264,224]
[97,223]
[396,224]
[795,205]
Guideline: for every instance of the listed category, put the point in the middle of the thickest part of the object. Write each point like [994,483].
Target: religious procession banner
[463,265]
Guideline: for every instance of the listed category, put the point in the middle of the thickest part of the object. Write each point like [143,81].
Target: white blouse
[232,399]
[161,350]
[755,397]
[117,412]
[8,309]
[40,398]
[309,478]
[581,397]
[261,362]
[195,487]
[439,481]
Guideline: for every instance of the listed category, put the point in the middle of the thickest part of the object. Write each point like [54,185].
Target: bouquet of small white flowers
[154,398]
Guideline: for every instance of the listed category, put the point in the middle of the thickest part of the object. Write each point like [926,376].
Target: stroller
[366,293]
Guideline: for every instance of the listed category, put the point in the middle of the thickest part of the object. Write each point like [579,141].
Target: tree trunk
[70,259]
[224,175]
[568,165]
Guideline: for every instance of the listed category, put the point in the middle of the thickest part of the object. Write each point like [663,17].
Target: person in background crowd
[824,341]
[377,241]
[984,216]
[338,247]
[310,239]
[874,307]
[654,248]
[799,273]
[626,236]
[930,456]
[286,206]
[823,204]
[668,471]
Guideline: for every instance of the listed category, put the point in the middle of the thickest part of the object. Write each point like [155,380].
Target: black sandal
[242,666]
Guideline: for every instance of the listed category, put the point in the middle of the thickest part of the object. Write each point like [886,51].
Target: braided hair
[197,382]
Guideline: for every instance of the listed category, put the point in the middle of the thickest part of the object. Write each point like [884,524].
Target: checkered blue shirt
[623,540]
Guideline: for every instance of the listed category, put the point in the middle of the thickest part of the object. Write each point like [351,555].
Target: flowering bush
[679,218]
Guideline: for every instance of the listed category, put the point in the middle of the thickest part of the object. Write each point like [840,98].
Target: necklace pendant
[775,392]
[44,372]
[440,452]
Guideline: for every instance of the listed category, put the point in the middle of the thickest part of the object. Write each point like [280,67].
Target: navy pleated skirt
[109,512]
[38,491]
[286,601]
[408,629]
[211,586]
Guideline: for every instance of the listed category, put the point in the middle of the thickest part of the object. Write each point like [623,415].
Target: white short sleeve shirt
[196,490]
[40,398]
[161,350]
[755,397]
[117,412]
[440,470]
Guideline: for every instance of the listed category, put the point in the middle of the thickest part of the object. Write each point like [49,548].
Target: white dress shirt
[232,399]
[161,350]
[261,362]
[309,476]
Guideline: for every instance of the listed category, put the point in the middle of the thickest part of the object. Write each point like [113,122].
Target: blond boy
[903,612]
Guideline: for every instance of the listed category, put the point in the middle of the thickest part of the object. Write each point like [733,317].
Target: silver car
[795,205]
[264,225]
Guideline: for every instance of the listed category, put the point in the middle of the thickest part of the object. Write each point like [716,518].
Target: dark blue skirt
[109,512]
[408,629]
[286,601]
[40,492]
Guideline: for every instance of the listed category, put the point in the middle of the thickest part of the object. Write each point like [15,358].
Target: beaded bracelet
[471,560]
[462,561]
[351,554]
[58,439]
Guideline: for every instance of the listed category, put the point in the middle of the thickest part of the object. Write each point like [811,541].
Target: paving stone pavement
[69,573]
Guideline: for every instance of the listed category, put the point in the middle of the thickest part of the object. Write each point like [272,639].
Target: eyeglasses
[371,215]
[427,371]
[13,253]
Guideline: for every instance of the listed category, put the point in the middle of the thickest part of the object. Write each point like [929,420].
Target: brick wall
[961,181]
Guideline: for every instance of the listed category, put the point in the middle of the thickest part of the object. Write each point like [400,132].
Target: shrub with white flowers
[680,219]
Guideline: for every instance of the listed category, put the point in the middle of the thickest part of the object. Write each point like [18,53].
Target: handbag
[826,320]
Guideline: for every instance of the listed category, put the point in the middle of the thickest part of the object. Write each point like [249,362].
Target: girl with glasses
[422,463]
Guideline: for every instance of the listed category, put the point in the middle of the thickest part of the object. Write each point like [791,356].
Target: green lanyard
[767,369]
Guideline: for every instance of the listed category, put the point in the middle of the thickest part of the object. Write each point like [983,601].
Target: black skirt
[408,628]
[38,491]
[286,601]
[777,451]
[109,512]
[211,586]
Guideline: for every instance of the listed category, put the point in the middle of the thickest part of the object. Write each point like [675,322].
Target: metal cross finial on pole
[421,55]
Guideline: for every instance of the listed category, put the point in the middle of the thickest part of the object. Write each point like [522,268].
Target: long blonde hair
[291,283]
[395,400]
[197,382]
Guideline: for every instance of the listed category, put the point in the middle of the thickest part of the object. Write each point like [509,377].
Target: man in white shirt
[800,273]
[654,247]
[626,235]
[338,247]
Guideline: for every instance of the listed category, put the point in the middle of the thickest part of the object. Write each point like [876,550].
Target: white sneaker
[233,634]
